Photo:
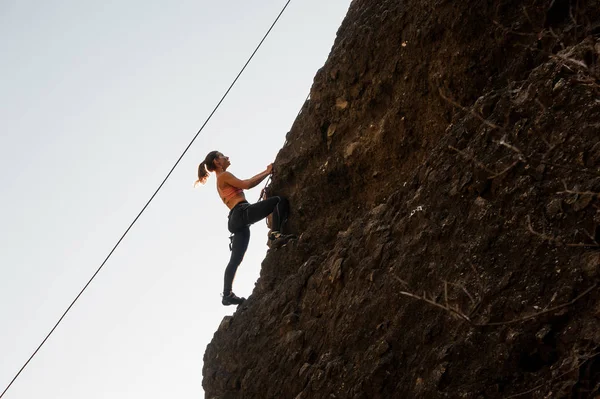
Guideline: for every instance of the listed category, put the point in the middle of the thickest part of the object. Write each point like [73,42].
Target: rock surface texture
[444,179]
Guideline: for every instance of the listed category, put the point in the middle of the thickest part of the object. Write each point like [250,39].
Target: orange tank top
[229,192]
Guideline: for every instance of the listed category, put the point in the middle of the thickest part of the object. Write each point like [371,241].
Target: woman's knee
[281,203]
[275,200]
[284,202]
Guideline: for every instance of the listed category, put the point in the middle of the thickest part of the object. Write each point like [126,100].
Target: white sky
[97,102]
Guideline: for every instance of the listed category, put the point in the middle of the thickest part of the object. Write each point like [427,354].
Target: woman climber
[242,214]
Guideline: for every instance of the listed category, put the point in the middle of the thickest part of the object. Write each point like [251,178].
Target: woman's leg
[278,206]
[238,249]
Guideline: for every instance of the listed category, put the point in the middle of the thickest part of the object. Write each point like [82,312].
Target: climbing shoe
[232,299]
[277,239]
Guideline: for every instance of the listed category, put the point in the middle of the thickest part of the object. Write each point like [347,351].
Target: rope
[263,192]
[150,200]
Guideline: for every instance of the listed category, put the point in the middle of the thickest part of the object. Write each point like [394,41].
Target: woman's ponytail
[202,174]
[206,166]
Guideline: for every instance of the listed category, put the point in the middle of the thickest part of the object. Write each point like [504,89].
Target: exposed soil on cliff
[444,179]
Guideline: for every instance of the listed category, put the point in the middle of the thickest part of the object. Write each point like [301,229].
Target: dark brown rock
[432,160]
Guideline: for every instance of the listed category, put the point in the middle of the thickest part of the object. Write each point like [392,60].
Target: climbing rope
[263,192]
[150,200]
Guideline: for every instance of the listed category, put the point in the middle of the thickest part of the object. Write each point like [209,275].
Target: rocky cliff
[444,178]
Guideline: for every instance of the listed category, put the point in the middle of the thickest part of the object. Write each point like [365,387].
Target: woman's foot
[232,299]
[277,239]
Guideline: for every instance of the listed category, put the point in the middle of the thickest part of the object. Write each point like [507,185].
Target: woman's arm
[246,184]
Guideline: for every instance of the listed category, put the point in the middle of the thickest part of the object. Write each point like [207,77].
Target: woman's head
[213,161]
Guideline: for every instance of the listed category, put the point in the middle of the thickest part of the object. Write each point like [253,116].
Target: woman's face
[222,161]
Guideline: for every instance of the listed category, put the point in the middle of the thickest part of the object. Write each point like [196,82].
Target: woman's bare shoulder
[229,179]
[224,177]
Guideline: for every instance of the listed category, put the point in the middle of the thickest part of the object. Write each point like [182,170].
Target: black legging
[240,219]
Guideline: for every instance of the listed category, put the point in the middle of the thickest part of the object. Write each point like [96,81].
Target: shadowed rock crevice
[444,178]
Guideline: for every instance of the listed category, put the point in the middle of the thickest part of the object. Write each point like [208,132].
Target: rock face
[444,181]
